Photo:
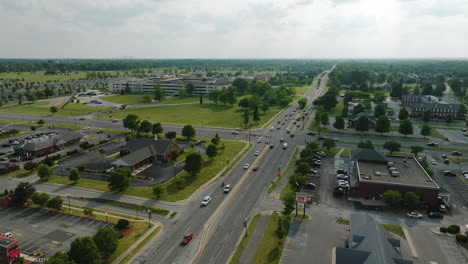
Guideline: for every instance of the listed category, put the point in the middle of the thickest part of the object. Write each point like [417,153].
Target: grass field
[336,111]
[42,108]
[301,89]
[136,99]
[270,247]
[395,229]
[39,76]
[197,114]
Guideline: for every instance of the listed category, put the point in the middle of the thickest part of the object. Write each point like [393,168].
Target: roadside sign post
[301,199]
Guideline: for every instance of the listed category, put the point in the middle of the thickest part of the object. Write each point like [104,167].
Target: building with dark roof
[144,151]
[376,173]
[440,108]
[369,243]
[171,86]
[47,143]
[9,250]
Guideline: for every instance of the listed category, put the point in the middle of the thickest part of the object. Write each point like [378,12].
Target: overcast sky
[233,28]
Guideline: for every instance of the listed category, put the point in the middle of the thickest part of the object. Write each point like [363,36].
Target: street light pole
[61,169]
[69,207]
[245,226]
[149,217]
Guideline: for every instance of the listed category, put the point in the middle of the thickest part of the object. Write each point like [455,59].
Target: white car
[465,134]
[227,188]
[206,200]
[257,153]
[433,162]
[272,128]
[343,185]
[246,166]
[414,215]
[281,139]
[342,177]
[267,141]
[342,182]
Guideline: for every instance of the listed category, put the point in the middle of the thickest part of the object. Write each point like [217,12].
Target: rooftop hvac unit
[394,174]
[367,177]
[390,164]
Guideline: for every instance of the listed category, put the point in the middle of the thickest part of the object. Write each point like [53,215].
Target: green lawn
[209,170]
[210,114]
[336,111]
[42,108]
[21,173]
[270,247]
[240,248]
[39,76]
[394,229]
[301,89]
[136,99]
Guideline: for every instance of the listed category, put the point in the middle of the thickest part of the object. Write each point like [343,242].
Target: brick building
[9,250]
[47,143]
[376,173]
[441,108]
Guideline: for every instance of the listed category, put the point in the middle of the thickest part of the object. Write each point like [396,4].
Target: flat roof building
[9,250]
[376,173]
[439,107]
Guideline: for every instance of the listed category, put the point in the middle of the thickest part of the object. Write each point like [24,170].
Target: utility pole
[69,207]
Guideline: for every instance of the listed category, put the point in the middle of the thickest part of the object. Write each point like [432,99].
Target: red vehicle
[186,239]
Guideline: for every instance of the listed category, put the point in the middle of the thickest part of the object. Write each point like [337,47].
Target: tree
[403,114]
[382,125]
[379,96]
[339,123]
[426,130]
[127,88]
[145,126]
[324,120]
[31,97]
[157,128]
[201,99]
[158,93]
[427,89]
[397,89]
[148,98]
[23,191]
[366,144]
[461,111]
[106,239]
[119,179]
[416,149]
[188,131]
[362,124]
[171,135]
[40,198]
[359,108]
[302,102]
[30,165]
[411,200]
[193,163]
[406,128]
[241,85]
[159,191]
[40,122]
[328,143]
[379,110]
[44,172]
[427,115]
[289,204]
[83,250]
[74,175]
[131,121]
[214,96]
[280,232]
[53,109]
[212,151]
[256,115]
[391,197]
[246,117]
[439,90]
[302,168]
[182,93]
[55,203]
[392,146]
[244,102]
[60,257]
[449,119]
[189,88]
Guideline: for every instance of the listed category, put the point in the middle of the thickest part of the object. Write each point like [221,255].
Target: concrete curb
[410,243]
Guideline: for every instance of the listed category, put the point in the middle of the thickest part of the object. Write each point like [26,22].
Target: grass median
[270,247]
[240,248]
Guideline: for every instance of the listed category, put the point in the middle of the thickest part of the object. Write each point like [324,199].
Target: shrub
[102,151]
[124,152]
[88,211]
[30,165]
[453,229]
[103,141]
[443,229]
[40,198]
[55,203]
[462,239]
[81,168]
[71,152]
[122,224]
[175,153]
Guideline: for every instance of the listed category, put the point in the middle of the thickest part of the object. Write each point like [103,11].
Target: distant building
[171,86]
[376,173]
[9,250]
[369,243]
[145,151]
[441,108]
[49,142]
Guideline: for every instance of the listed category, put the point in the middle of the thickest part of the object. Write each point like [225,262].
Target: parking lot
[45,231]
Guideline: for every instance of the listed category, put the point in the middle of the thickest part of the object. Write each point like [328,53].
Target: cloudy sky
[233,28]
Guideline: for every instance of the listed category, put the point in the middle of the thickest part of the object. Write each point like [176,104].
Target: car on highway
[227,188]
[255,168]
[246,166]
[259,140]
[278,127]
[82,119]
[456,153]
[115,121]
[292,135]
[235,132]
[206,200]
[287,131]
[272,128]
[449,173]
[294,122]
[465,134]
[267,141]
[435,215]
[432,144]
[186,238]
[446,161]
[310,185]
[311,133]
[298,125]
[281,139]
[285,145]
[272,146]
[257,153]
[434,162]
[414,215]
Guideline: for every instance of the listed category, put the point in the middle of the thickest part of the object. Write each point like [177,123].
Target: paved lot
[454,135]
[45,231]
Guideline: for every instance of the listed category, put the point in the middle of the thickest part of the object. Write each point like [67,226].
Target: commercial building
[146,151]
[369,243]
[440,108]
[171,86]
[47,143]
[376,173]
[9,250]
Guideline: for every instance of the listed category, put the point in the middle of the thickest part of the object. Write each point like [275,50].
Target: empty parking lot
[45,231]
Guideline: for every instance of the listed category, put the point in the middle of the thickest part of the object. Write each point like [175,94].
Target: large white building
[171,86]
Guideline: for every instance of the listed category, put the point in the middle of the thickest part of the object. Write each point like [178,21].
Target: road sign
[278,175]
[301,198]
[300,205]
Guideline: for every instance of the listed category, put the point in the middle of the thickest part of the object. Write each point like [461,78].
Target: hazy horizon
[244,29]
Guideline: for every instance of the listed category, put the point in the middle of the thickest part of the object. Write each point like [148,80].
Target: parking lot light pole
[149,217]
[245,226]
[69,207]
[61,169]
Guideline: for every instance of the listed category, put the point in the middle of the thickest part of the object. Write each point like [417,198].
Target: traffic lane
[229,225]
[426,246]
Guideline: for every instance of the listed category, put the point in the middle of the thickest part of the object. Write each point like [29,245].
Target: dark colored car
[292,134]
[255,168]
[341,172]
[311,133]
[450,173]
[322,138]
[457,153]
[310,185]
[432,144]
[5,145]
[186,239]
[446,161]
[435,215]
[272,146]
